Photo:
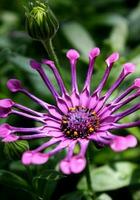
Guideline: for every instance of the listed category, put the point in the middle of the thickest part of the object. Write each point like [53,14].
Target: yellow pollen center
[80,122]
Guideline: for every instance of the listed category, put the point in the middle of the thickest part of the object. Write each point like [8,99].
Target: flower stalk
[48,45]
[88,177]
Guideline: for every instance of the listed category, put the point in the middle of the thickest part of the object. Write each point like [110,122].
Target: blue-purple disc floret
[77,118]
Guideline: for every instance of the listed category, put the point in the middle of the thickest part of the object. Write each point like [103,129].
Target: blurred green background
[112,25]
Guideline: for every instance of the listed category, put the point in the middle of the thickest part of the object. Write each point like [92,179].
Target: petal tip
[6,103]
[94,52]
[34,64]
[137,82]
[122,143]
[5,130]
[48,62]
[129,68]
[112,58]
[29,157]
[65,167]
[132,141]
[77,164]
[14,85]
[72,54]
[11,138]
[39,158]
[26,158]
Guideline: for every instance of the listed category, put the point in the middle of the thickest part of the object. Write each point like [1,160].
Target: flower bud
[14,150]
[41,22]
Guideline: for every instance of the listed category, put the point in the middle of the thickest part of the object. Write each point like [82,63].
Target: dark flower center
[80,122]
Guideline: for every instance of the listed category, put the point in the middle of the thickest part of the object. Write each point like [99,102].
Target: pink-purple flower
[77,117]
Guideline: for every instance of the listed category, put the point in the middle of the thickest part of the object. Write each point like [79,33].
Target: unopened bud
[41,22]
[14,150]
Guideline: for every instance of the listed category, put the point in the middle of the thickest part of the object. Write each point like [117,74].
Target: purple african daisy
[77,118]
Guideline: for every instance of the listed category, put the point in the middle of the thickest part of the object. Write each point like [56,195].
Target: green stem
[88,178]
[50,50]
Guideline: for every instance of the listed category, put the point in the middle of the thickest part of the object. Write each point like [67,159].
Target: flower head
[41,22]
[78,117]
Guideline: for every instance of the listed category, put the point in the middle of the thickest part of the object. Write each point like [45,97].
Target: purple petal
[99,104]
[105,127]
[65,167]
[62,105]
[37,66]
[84,97]
[6,103]
[54,112]
[102,137]
[14,85]
[5,130]
[10,138]
[63,144]
[131,141]
[30,157]
[108,119]
[92,56]
[5,107]
[34,64]
[93,100]
[59,80]
[126,125]
[94,53]
[105,112]
[72,55]
[122,143]
[75,99]
[77,164]
[4,112]
[112,58]
[39,158]
[67,100]
[55,133]
[27,157]
[52,123]
[128,68]
[137,82]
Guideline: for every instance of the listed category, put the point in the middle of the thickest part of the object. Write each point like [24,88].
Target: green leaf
[134,23]
[78,195]
[9,21]
[12,180]
[111,177]
[22,62]
[119,33]
[79,38]
[103,197]
[136,195]
[48,175]
[17,166]
[3,54]
[136,61]
[46,182]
